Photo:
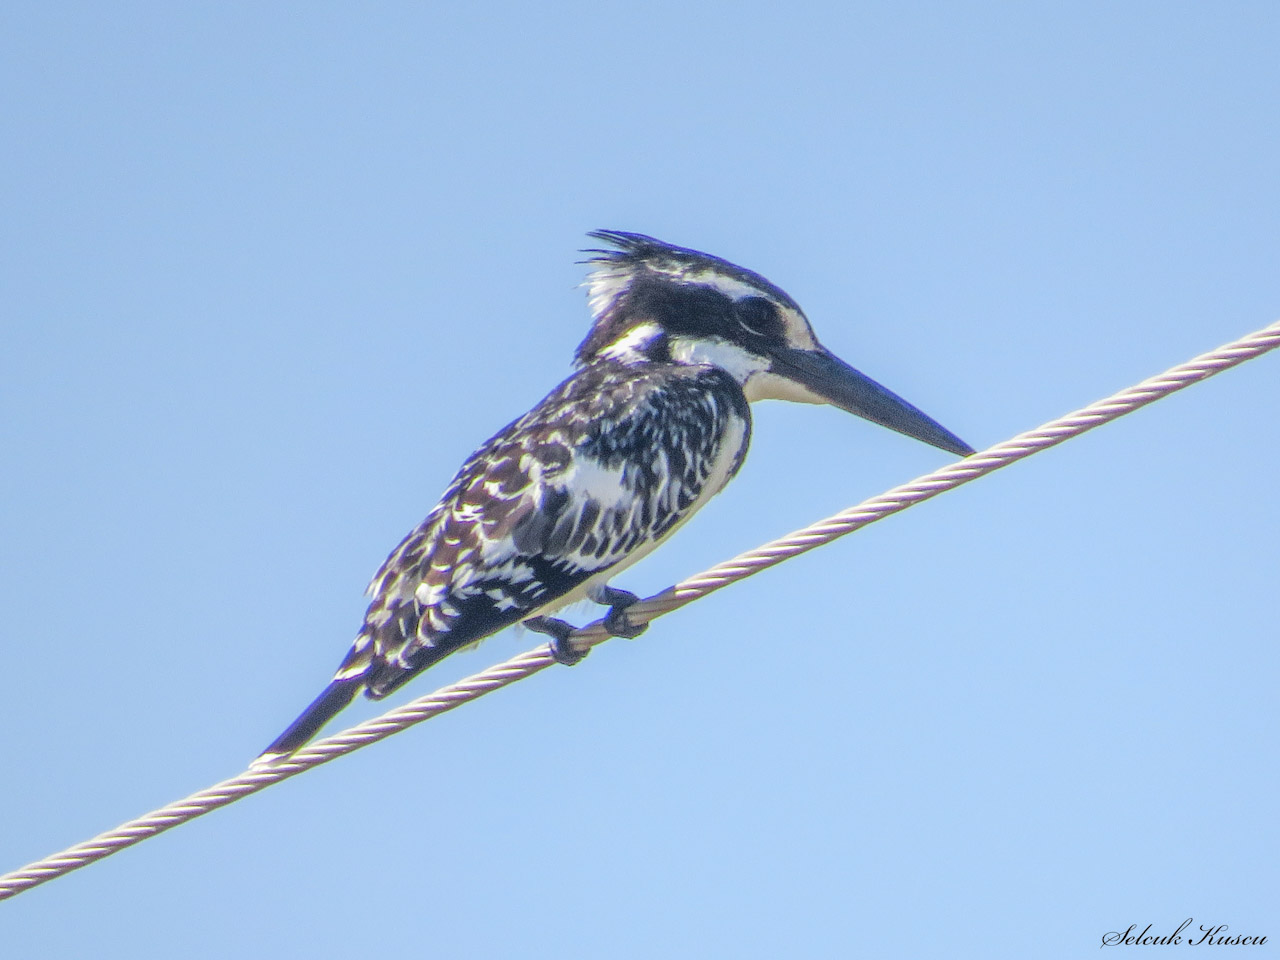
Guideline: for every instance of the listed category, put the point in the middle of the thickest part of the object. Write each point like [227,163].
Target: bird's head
[655,302]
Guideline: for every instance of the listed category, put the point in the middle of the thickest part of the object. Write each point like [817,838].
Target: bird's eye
[757,315]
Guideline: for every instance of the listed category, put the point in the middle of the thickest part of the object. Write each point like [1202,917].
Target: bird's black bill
[823,373]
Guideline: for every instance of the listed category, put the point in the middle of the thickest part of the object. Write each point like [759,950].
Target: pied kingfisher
[653,423]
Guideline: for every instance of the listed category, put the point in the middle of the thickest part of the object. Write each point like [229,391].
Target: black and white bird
[653,423]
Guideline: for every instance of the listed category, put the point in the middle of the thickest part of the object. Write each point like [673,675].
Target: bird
[652,423]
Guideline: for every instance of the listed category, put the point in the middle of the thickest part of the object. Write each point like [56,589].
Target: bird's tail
[337,695]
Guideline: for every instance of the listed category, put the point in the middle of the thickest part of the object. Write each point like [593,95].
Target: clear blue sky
[270,271]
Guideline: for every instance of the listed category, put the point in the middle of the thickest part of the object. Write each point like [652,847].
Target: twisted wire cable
[446,698]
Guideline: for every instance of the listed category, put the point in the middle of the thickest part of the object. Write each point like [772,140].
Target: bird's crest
[639,261]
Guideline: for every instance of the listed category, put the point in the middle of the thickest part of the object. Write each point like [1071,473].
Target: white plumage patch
[737,361]
[630,347]
[770,386]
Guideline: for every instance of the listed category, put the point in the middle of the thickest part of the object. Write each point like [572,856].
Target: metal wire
[446,698]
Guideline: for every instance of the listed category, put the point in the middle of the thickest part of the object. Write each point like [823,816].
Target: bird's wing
[593,477]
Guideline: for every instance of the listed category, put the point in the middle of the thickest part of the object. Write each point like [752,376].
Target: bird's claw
[616,620]
[561,645]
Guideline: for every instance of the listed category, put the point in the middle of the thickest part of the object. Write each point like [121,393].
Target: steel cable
[824,531]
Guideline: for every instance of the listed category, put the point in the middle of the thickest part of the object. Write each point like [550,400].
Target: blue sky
[272,271]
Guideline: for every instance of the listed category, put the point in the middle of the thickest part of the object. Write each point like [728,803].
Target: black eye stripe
[757,315]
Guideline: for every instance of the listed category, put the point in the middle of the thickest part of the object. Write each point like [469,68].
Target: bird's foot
[559,631]
[616,620]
